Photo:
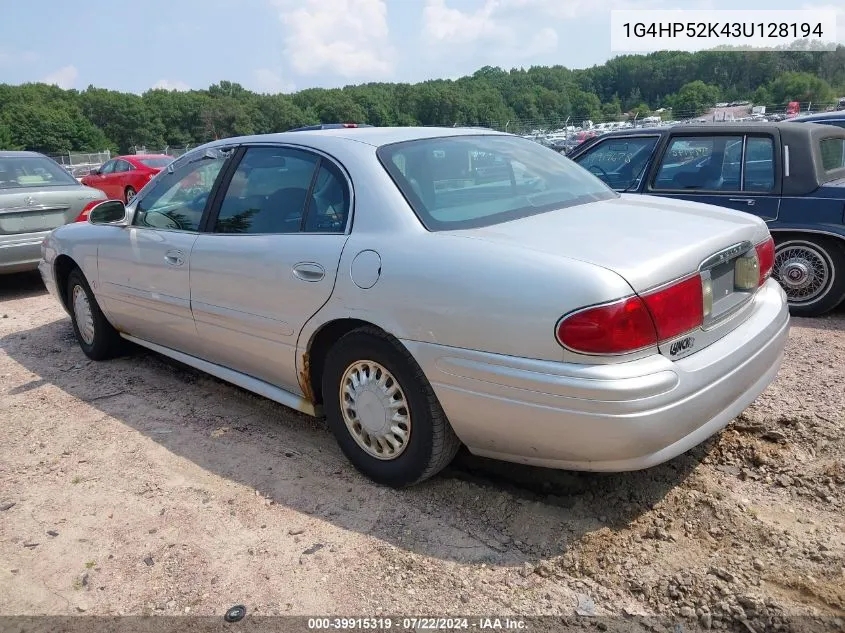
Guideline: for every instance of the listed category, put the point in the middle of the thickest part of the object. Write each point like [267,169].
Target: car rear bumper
[21,252]
[613,417]
[49,278]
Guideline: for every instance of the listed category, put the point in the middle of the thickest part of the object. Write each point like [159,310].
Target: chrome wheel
[83,315]
[375,410]
[803,270]
[130,194]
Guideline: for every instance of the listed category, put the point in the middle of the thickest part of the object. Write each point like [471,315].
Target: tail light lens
[616,328]
[677,308]
[766,257]
[83,217]
[636,322]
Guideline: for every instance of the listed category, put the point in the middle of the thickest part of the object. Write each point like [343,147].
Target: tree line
[51,120]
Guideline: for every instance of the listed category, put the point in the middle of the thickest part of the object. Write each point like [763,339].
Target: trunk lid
[649,241]
[33,210]
[646,239]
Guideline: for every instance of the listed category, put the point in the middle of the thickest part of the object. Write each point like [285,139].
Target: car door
[118,180]
[269,259]
[620,161]
[732,169]
[144,268]
[99,180]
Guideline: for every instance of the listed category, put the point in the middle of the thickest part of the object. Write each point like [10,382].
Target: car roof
[21,154]
[140,156]
[375,136]
[819,116]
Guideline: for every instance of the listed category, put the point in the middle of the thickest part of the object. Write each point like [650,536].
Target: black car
[791,175]
[836,118]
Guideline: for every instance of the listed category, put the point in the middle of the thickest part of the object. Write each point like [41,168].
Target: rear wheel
[811,272]
[383,411]
[130,193]
[96,336]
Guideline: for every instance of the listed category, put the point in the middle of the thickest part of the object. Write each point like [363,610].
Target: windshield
[156,163]
[462,182]
[32,171]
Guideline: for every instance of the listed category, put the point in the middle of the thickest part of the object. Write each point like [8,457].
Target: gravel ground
[138,486]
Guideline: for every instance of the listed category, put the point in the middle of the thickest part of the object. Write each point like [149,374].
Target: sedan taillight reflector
[83,217]
[766,256]
[616,328]
[636,322]
[677,308]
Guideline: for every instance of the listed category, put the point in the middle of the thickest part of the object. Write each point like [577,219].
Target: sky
[272,46]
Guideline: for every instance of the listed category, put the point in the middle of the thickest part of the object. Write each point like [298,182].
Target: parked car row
[429,288]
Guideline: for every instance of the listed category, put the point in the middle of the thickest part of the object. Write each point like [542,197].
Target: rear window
[833,153]
[462,182]
[32,171]
[156,163]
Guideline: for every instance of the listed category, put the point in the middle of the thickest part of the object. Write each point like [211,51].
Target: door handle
[174,258]
[749,201]
[309,271]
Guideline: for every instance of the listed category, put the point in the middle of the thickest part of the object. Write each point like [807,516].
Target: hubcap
[82,314]
[375,410]
[803,272]
[129,195]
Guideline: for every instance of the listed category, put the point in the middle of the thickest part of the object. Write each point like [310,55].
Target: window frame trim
[745,135]
[213,211]
[214,188]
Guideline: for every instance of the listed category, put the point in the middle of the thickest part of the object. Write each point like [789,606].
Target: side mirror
[108,212]
[94,172]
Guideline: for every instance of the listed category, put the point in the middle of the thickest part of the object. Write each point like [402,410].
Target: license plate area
[720,273]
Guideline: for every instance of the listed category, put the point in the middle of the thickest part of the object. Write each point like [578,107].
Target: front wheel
[811,272]
[383,411]
[130,194]
[96,336]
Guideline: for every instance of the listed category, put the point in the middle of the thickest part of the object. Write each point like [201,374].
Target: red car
[124,176]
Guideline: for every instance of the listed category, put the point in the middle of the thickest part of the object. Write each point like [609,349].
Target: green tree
[694,99]
[800,86]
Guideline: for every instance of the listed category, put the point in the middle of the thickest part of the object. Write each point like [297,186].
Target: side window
[177,199]
[108,167]
[121,166]
[269,192]
[329,207]
[619,162]
[759,164]
[833,153]
[701,163]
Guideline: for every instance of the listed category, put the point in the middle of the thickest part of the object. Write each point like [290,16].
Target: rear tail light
[766,257]
[677,308]
[636,322]
[83,217]
[616,328]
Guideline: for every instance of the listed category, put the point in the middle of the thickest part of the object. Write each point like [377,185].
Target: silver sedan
[427,288]
[36,195]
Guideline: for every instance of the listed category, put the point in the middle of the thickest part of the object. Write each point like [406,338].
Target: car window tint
[833,153]
[759,164]
[32,171]
[108,167]
[268,192]
[472,181]
[121,166]
[705,163]
[330,203]
[177,200]
[619,161]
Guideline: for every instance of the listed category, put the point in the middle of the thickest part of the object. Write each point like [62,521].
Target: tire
[129,194]
[97,338]
[430,443]
[811,271]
